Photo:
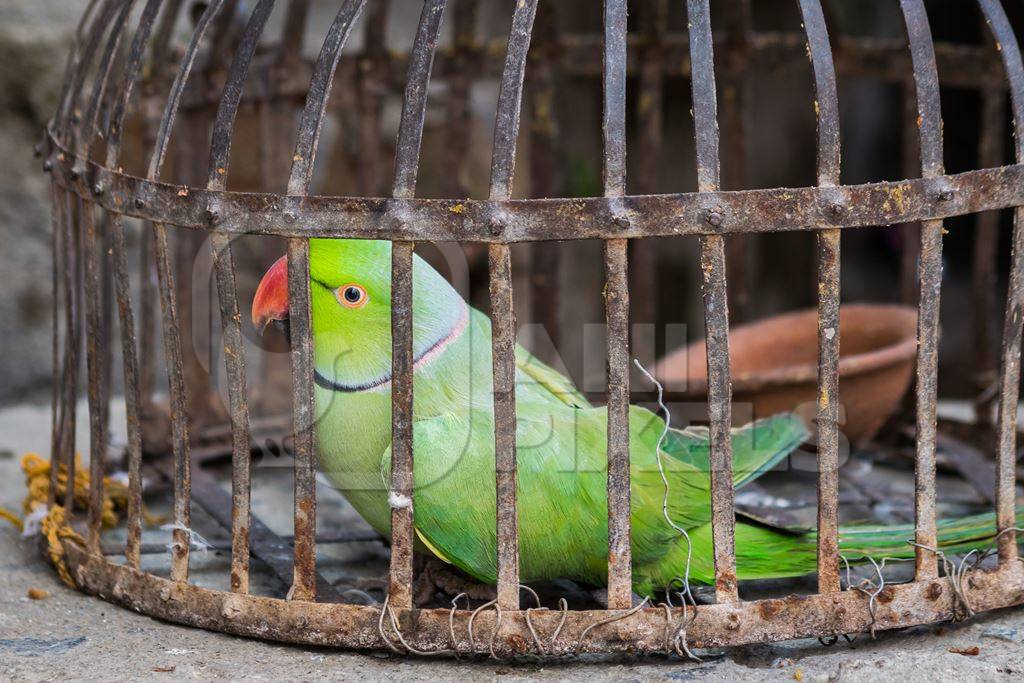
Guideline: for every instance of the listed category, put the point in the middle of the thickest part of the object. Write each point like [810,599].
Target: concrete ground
[67,635]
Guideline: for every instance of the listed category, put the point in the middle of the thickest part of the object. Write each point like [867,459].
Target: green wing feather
[551,380]
[756,447]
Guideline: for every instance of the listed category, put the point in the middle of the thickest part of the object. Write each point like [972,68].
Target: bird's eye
[352,296]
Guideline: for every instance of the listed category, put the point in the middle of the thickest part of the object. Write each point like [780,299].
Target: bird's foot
[439,576]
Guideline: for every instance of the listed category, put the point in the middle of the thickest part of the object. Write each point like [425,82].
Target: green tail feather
[766,553]
[963,534]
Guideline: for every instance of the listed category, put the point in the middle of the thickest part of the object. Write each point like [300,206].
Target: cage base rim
[357,627]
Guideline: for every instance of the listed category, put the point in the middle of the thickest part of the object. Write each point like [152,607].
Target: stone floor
[68,635]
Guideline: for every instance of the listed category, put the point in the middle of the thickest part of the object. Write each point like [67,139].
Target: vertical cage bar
[926,79]
[57,204]
[97,347]
[300,324]
[1009,378]
[59,218]
[231,319]
[503,324]
[503,344]
[72,322]
[67,123]
[96,332]
[126,318]
[94,358]
[616,296]
[716,307]
[402,532]
[303,162]
[133,541]
[410,135]
[178,391]
[177,387]
[826,107]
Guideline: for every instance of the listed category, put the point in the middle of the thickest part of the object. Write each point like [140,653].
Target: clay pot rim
[807,373]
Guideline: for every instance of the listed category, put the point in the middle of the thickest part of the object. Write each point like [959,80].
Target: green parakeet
[560,438]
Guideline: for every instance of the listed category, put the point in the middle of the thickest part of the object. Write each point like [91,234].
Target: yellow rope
[54,526]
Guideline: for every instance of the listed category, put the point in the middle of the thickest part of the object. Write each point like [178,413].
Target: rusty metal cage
[125,78]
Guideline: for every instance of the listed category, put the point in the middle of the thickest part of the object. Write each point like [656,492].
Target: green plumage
[561,446]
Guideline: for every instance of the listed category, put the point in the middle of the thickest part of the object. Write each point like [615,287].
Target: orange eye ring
[351,296]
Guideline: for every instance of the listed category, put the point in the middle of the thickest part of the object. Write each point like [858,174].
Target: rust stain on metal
[769,609]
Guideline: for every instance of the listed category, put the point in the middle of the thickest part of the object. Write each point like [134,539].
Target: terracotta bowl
[775,363]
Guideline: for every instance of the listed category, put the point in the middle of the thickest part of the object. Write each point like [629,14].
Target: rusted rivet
[496,225]
[945,195]
[734,622]
[290,217]
[212,216]
[398,223]
[934,591]
[118,590]
[621,221]
[232,607]
[165,593]
[837,209]
[48,165]
[140,203]
[74,173]
[715,217]
[98,189]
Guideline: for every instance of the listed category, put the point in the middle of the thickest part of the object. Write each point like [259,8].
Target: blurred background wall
[33,46]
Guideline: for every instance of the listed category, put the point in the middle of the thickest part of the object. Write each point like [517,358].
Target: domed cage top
[124,71]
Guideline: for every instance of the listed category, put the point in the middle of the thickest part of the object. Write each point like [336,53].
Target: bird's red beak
[270,304]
